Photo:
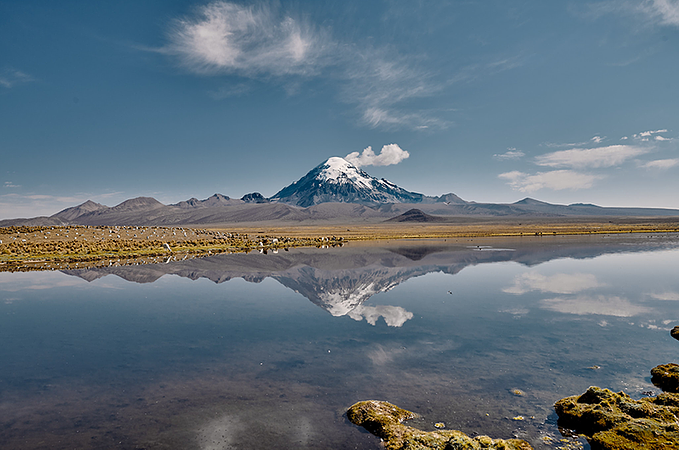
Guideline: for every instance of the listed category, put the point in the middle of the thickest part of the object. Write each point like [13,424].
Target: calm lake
[251,351]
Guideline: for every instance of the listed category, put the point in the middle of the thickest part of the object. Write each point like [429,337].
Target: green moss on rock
[666,377]
[614,421]
[385,420]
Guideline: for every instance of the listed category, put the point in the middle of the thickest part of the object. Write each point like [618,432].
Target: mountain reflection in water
[340,280]
[461,326]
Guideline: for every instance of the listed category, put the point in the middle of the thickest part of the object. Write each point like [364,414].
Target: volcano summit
[337,180]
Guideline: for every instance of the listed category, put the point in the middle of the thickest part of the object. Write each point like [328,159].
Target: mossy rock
[675,332]
[385,420]
[666,377]
[614,421]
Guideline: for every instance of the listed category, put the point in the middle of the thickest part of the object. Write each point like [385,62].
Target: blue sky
[570,101]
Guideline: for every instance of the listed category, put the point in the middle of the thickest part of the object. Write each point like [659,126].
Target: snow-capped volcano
[337,180]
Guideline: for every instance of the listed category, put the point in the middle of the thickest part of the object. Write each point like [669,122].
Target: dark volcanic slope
[416,215]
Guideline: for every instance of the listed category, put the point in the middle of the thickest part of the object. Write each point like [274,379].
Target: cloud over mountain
[390,154]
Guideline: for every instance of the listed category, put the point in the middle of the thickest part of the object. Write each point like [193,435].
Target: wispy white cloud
[580,158]
[664,12]
[12,77]
[236,90]
[390,154]
[232,38]
[561,283]
[649,133]
[381,82]
[593,140]
[391,116]
[555,180]
[266,42]
[594,305]
[647,136]
[9,184]
[474,71]
[511,153]
[649,12]
[661,164]
[665,296]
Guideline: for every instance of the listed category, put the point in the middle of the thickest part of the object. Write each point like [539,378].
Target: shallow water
[269,350]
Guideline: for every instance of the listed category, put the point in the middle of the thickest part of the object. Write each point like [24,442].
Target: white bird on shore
[167,246]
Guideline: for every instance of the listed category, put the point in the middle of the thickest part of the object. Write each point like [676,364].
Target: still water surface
[269,350]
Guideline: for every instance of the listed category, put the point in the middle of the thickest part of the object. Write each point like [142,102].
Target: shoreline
[69,247]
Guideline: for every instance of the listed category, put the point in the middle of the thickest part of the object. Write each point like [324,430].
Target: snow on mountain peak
[338,180]
[339,170]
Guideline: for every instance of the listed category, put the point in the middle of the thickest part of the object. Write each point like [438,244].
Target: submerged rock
[675,332]
[614,421]
[666,377]
[384,420]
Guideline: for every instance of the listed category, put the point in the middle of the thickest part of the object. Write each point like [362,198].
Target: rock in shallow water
[384,420]
[614,421]
[666,377]
[675,332]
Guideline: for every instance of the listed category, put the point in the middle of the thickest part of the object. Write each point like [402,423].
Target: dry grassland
[55,248]
[467,227]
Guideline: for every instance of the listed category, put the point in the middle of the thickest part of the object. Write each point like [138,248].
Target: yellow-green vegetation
[40,248]
[666,377]
[614,421]
[472,228]
[385,420]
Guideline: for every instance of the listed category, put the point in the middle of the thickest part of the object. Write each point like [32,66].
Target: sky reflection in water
[244,351]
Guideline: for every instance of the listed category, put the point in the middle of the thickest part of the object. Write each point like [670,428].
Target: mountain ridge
[335,190]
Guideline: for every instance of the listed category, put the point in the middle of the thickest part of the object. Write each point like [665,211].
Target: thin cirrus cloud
[652,12]
[561,283]
[390,154]
[9,78]
[556,180]
[665,12]
[511,153]
[259,41]
[582,158]
[661,164]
